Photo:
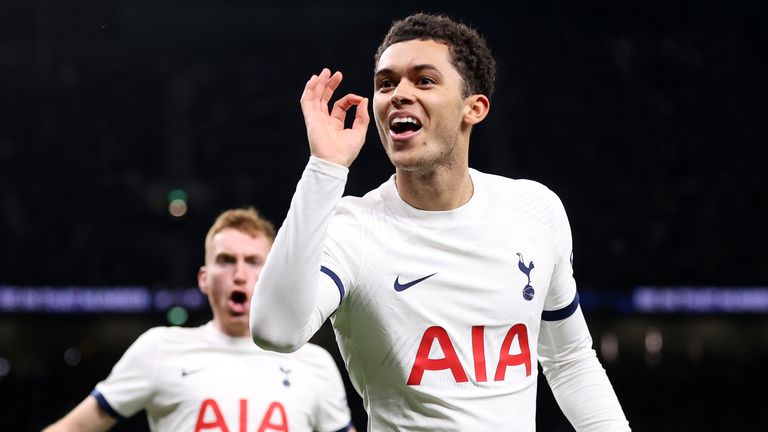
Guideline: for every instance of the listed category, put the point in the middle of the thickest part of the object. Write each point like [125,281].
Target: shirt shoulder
[165,333]
[153,336]
[166,340]
[516,187]
[355,216]
[524,199]
[373,200]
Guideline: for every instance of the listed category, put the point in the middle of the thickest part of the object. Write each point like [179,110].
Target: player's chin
[407,162]
[238,314]
[400,157]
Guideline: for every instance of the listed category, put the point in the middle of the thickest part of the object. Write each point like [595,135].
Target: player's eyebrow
[224,256]
[231,256]
[411,69]
[254,258]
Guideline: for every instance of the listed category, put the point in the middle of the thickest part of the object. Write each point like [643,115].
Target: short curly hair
[469,52]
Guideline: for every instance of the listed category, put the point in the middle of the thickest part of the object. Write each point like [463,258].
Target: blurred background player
[213,377]
[445,285]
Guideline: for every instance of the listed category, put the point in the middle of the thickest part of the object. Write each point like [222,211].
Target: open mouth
[238,297]
[238,302]
[404,125]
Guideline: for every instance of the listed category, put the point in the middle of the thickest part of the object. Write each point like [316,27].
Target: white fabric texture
[577,379]
[441,311]
[185,377]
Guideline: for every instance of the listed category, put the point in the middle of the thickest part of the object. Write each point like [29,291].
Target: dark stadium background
[647,118]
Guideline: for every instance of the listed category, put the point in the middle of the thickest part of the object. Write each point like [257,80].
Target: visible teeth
[399,120]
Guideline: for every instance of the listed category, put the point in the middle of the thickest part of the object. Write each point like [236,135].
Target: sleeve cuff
[102,401]
[329,168]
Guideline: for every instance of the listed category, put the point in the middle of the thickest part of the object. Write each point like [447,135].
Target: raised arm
[292,298]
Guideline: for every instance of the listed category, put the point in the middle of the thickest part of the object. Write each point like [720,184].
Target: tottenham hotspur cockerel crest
[528,291]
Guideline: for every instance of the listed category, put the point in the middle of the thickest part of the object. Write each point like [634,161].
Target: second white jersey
[190,379]
[452,303]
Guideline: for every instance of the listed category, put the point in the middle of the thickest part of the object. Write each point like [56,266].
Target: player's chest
[236,389]
[498,273]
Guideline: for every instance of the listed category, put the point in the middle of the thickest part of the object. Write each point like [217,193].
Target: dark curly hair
[469,53]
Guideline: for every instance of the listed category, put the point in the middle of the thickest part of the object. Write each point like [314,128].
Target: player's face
[232,267]
[418,105]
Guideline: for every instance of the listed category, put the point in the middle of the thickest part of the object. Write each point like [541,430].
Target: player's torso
[222,388]
[451,312]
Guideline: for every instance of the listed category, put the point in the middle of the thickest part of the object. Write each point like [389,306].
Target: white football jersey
[441,311]
[441,316]
[191,379]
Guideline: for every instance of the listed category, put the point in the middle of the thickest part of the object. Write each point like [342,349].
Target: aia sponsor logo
[521,356]
[210,417]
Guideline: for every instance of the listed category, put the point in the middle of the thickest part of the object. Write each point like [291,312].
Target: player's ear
[476,108]
[202,280]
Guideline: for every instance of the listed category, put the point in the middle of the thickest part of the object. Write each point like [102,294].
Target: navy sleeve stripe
[347,427]
[336,279]
[105,405]
[560,314]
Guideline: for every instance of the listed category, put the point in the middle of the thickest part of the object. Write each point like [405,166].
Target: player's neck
[232,329]
[436,190]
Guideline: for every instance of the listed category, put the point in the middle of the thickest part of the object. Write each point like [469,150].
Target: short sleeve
[130,385]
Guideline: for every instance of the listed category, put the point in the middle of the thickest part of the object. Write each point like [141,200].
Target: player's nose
[241,272]
[401,95]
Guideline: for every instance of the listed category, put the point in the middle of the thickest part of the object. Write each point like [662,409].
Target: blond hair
[246,220]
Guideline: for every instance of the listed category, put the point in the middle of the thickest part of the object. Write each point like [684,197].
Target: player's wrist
[329,167]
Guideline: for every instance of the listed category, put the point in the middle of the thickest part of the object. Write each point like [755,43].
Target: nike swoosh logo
[402,287]
[185,372]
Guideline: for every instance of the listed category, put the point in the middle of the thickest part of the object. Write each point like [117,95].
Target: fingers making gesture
[328,138]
